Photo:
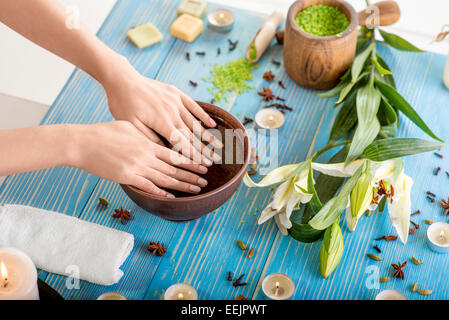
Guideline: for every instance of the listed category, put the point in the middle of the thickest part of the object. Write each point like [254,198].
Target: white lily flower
[286,197]
[388,180]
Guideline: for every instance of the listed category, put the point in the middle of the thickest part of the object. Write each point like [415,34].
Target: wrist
[115,68]
[72,145]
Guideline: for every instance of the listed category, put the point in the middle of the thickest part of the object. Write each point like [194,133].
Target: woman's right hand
[119,152]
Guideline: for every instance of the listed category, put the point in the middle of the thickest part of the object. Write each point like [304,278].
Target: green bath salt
[322,20]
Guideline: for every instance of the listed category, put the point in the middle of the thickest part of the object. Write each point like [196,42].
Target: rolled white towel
[60,243]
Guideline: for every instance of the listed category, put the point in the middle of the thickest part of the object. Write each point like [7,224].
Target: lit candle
[181,291]
[111,296]
[390,294]
[438,237]
[221,20]
[278,286]
[18,276]
[269,119]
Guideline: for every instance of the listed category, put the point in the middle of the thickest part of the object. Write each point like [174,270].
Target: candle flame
[180,296]
[277,284]
[4,272]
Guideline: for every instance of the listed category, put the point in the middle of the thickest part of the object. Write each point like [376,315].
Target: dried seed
[414,287]
[425,292]
[431,194]
[411,230]
[415,224]
[218,51]
[431,199]
[428,221]
[229,276]
[188,56]
[241,245]
[193,83]
[252,172]
[103,201]
[384,279]
[437,170]
[374,257]
[416,261]
[278,63]
[416,212]
[377,249]
[439,155]
[250,253]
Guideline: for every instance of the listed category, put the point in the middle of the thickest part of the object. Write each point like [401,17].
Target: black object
[46,292]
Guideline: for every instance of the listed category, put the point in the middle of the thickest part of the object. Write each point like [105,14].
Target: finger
[195,126]
[176,159]
[149,187]
[179,141]
[178,174]
[164,181]
[198,145]
[197,111]
[148,132]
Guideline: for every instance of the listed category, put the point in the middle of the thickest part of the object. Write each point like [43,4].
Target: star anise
[267,94]
[445,205]
[269,76]
[399,270]
[157,248]
[122,214]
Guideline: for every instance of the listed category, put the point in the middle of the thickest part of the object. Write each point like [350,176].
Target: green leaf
[397,42]
[361,43]
[315,202]
[360,198]
[402,105]
[386,149]
[334,207]
[359,62]
[331,250]
[346,119]
[326,186]
[379,67]
[388,79]
[304,232]
[350,87]
[368,100]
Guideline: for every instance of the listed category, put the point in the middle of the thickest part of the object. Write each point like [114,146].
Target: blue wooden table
[203,251]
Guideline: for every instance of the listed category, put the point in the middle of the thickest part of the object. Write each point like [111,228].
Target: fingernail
[169,195]
[202,169]
[212,122]
[216,157]
[202,182]
[195,189]
[207,162]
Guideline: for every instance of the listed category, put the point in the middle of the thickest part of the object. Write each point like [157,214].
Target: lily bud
[331,249]
[360,199]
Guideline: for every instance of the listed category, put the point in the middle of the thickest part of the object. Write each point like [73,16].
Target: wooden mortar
[318,62]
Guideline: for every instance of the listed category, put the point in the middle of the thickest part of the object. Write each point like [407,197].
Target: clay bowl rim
[353,16]
[237,176]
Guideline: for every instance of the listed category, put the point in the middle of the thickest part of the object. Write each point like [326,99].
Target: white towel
[63,244]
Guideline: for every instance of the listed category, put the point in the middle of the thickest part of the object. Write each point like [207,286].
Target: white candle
[181,291]
[221,20]
[111,296]
[438,237]
[269,119]
[391,294]
[18,276]
[278,286]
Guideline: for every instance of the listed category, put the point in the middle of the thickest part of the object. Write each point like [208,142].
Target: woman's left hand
[153,105]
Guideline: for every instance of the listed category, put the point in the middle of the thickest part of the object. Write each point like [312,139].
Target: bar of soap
[144,35]
[196,8]
[186,27]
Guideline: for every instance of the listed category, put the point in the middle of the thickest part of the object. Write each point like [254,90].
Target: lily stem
[328,147]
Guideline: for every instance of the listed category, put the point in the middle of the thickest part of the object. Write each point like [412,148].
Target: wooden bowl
[223,179]
[318,62]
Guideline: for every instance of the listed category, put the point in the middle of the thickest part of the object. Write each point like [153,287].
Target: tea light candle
[269,119]
[112,296]
[181,291]
[438,237]
[278,286]
[18,276]
[221,20]
[391,294]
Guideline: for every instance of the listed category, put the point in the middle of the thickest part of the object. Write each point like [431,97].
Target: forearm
[44,23]
[36,148]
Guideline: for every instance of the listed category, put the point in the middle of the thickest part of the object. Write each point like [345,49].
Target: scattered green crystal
[322,20]
[231,78]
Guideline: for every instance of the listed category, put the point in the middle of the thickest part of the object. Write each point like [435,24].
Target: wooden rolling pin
[318,62]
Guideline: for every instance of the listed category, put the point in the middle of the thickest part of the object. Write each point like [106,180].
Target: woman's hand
[119,152]
[152,105]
